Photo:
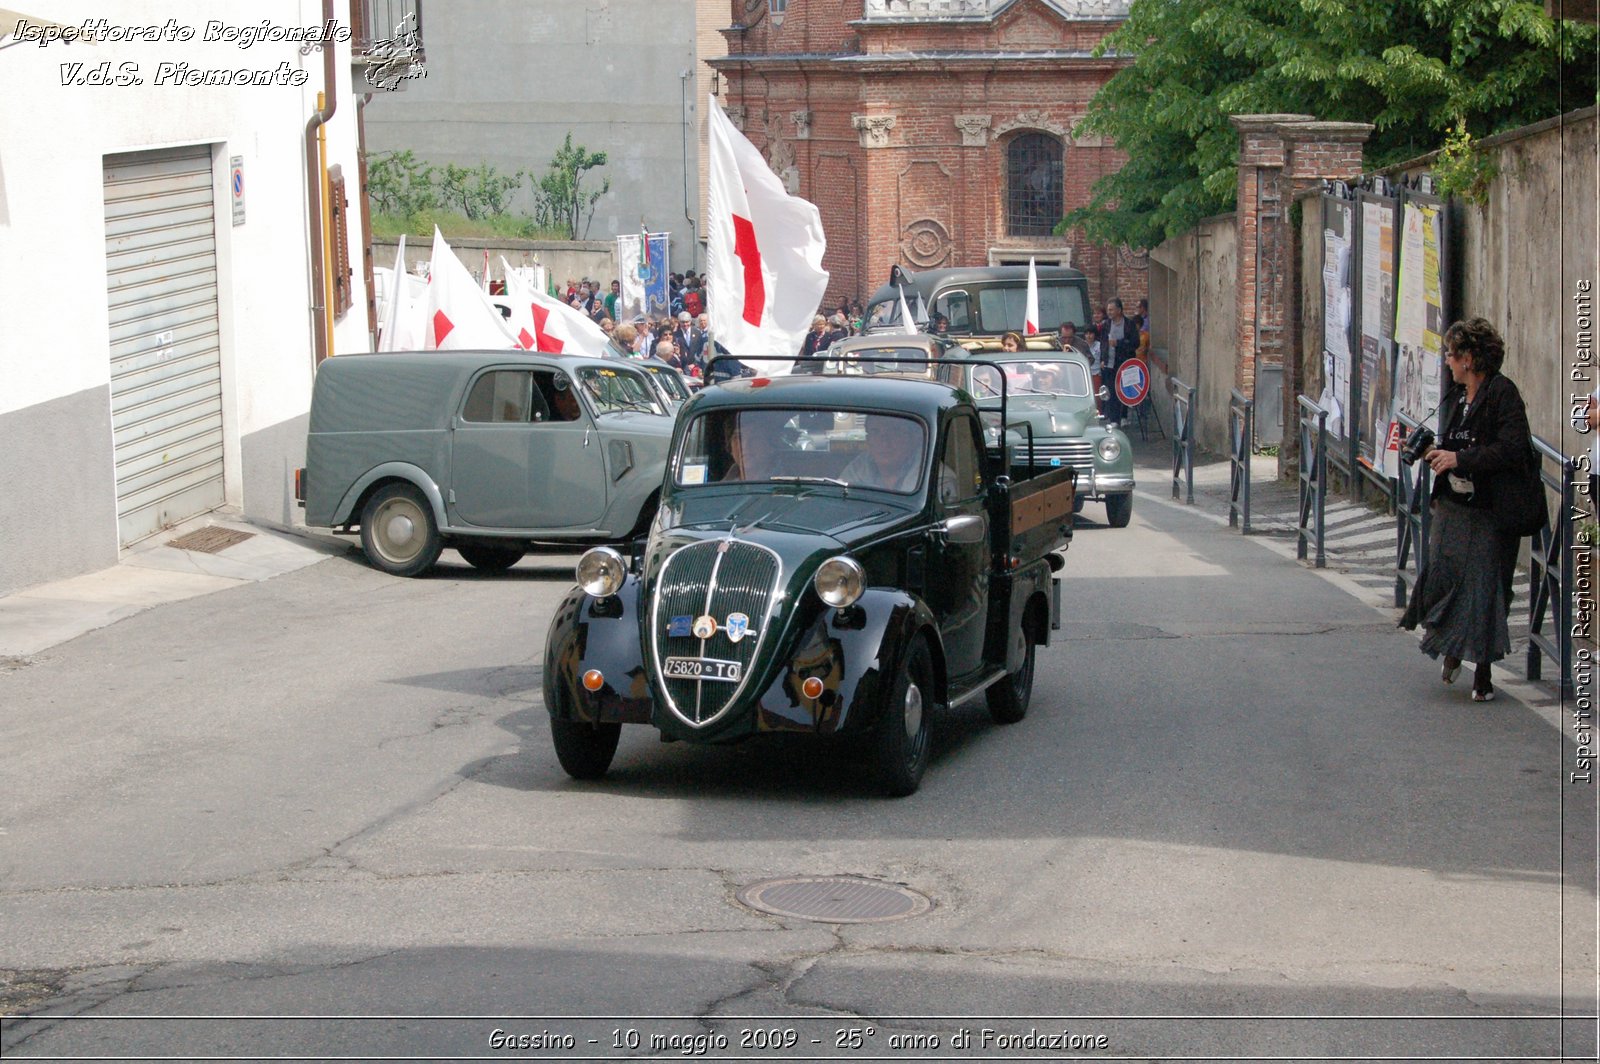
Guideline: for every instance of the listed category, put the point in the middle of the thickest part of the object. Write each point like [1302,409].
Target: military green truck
[838,556]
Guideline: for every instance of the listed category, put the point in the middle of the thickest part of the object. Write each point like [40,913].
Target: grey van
[984,300]
[487,452]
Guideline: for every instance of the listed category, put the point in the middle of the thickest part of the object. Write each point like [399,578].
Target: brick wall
[913,187]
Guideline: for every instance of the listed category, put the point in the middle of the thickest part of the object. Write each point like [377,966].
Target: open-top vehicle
[1046,393]
[834,555]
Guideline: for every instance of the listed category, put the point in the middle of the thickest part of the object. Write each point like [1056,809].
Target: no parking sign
[1133,381]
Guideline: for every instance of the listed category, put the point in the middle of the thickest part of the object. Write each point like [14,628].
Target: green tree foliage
[562,199]
[400,183]
[478,192]
[1416,69]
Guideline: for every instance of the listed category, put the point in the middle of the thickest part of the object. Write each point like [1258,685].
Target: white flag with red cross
[460,314]
[1030,321]
[544,323]
[763,250]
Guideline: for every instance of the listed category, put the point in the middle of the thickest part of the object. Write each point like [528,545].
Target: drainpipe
[317,198]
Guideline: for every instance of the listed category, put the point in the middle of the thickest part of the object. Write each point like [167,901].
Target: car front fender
[587,634]
[856,652]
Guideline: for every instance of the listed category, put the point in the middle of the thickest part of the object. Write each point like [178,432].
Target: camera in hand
[1417,444]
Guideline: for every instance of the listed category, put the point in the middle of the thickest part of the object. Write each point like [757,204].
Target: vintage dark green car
[836,556]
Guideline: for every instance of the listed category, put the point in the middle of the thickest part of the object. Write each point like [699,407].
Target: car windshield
[1004,309]
[670,382]
[846,448]
[1033,377]
[615,391]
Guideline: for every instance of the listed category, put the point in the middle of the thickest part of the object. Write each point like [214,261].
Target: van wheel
[398,533]
[585,750]
[1119,509]
[901,749]
[490,559]
[1009,698]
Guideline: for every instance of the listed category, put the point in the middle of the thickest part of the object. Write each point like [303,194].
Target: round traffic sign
[1133,381]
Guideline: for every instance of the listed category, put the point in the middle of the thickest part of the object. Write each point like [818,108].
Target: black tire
[901,748]
[1119,509]
[398,533]
[1008,698]
[490,559]
[585,750]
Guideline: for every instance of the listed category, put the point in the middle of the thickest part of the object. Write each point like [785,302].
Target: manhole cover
[835,899]
[209,540]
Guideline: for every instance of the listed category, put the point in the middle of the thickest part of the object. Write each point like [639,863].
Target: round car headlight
[601,571]
[1110,450]
[840,581]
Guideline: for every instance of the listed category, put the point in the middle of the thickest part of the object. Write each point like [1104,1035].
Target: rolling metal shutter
[166,362]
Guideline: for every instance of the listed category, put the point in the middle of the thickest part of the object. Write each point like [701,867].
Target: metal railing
[1413,520]
[1313,421]
[1241,441]
[1182,437]
[1550,575]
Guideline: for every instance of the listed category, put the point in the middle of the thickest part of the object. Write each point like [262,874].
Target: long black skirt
[1460,596]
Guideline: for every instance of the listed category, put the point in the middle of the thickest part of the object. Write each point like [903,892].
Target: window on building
[1035,172]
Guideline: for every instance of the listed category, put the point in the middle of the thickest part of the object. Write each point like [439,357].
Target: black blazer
[1499,421]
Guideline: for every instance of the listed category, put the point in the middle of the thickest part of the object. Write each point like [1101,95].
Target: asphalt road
[1243,818]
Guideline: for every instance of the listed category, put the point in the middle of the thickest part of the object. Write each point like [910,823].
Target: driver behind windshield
[891,458]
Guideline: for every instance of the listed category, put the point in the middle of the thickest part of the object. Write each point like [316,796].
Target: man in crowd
[612,298]
[1119,341]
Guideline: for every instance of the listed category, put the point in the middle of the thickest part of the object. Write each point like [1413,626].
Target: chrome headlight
[1109,449]
[839,581]
[601,571]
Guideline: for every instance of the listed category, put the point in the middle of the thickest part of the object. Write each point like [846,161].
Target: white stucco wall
[53,138]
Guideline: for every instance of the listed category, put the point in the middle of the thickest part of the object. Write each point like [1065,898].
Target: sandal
[1452,666]
[1483,694]
[1482,684]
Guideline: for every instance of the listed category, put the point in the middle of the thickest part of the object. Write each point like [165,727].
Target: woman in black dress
[1463,593]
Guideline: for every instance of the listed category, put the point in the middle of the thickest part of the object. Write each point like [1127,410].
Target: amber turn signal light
[593,680]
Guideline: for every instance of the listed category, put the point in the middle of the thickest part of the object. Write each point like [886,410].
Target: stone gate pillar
[1279,156]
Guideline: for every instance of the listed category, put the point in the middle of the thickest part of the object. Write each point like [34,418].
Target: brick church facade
[931,133]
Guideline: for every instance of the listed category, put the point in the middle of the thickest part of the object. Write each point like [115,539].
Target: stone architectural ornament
[802,124]
[780,156]
[873,129]
[736,115]
[926,243]
[974,129]
[1035,120]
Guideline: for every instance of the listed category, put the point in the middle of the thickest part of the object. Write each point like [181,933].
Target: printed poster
[1377,330]
[1337,233]
[1420,329]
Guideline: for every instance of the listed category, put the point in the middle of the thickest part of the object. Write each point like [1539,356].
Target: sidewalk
[152,573]
[1359,541]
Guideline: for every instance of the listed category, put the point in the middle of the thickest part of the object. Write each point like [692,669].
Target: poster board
[1420,308]
[1340,388]
[1378,218]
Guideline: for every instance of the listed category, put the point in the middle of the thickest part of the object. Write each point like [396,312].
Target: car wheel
[901,750]
[1119,510]
[585,750]
[398,533]
[490,559]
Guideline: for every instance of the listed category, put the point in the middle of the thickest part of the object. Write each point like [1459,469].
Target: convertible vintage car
[1050,405]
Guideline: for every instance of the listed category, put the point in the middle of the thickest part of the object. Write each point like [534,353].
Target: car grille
[1079,454]
[715,578]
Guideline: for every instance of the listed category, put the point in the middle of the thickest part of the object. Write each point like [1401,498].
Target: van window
[957,306]
[504,396]
[1003,309]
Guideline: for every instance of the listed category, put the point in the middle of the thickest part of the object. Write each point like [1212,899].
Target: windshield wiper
[813,480]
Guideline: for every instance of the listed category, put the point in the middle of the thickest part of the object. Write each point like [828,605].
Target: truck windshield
[1003,309]
[614,391]
[883,451]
